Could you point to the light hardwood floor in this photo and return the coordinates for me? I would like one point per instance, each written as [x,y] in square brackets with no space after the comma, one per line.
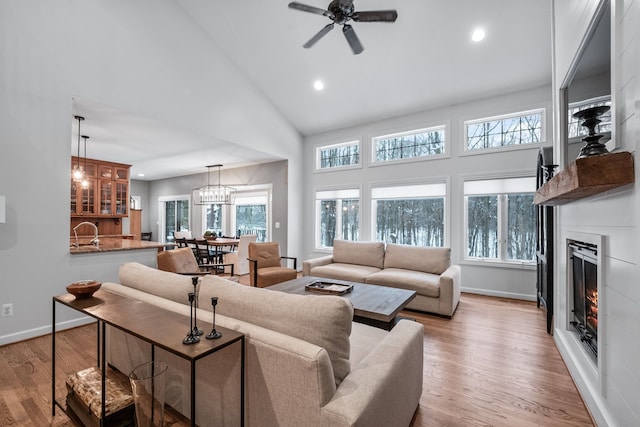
[491,365]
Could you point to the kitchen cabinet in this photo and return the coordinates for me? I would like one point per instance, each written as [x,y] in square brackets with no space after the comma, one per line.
[107,192]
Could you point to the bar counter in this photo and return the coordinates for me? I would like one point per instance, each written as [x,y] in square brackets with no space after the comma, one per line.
[112,244]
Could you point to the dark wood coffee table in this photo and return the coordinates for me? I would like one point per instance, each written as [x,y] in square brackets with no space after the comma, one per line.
[372,304]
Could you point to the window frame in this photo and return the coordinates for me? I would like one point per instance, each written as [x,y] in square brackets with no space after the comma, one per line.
[318,158]
[162,200]
[224,215]
[533,145]
[316,206]
[431,128]
[503,221]
[252,194]
[432,184]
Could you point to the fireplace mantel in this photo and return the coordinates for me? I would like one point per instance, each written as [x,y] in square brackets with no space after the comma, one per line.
[587,176]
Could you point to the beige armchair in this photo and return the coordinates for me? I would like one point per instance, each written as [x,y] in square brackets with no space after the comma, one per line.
[265,265]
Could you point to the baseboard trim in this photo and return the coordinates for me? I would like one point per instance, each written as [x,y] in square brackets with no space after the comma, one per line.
[499,294]
[43,330]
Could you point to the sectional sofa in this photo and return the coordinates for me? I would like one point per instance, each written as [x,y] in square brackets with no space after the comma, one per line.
[426,270]
[306,362]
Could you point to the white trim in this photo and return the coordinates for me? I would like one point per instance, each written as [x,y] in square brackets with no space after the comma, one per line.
[317,149]
[44,330]
[445,145]
[543,127]
[499,294]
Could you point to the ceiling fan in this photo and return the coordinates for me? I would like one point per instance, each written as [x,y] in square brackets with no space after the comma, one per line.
[341,12]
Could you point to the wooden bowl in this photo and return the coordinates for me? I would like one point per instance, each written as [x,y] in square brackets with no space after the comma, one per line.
[83,288]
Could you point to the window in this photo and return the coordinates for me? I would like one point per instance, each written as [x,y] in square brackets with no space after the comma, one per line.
[174,216]
[407,145]
[409,215]
[337,216]
[504,131]
[338,155]
[213,218]
[576,131]
[251,214]
[500,219]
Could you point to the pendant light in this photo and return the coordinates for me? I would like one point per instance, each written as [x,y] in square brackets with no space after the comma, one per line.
[85,181]
[213,194]
[77,174]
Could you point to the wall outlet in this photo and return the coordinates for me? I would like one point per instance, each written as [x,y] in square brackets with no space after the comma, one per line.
[7,310]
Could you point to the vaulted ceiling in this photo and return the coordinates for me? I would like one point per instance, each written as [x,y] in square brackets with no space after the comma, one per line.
[425,60]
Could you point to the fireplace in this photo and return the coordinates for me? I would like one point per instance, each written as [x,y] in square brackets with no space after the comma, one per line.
[584,282]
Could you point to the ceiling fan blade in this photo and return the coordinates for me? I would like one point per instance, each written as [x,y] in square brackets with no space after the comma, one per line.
[352,38]
[320,34]
[375,16]
[310,9]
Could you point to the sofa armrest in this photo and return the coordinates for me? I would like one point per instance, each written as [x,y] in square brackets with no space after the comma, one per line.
[307,265]
[449,290]
[384,389]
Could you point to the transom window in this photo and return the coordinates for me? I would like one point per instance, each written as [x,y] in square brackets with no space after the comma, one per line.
[409,214]
[337,216]
[500,219]
[504,131]
[411,144]
[338,155]
[577,131]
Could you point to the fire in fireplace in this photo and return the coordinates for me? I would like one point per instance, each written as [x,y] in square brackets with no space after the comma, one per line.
[584,261]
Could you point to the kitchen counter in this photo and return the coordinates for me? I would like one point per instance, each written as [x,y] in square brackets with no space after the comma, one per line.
[111,244]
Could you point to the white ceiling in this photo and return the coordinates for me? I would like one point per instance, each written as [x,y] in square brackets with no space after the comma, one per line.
[424,60]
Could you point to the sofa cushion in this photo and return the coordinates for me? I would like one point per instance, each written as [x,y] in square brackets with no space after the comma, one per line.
[418,258]
[426,284]
[352,272]
[321,320]
[172,286]
[359,253]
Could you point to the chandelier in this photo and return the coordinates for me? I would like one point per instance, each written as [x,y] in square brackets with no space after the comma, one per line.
[213,194]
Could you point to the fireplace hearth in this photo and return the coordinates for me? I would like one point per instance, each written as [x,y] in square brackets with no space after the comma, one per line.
[584,281]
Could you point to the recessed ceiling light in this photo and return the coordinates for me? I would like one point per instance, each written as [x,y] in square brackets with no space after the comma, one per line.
[140,174]
[318,85]
[478,35]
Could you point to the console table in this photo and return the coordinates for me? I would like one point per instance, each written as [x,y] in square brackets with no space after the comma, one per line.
[141,320]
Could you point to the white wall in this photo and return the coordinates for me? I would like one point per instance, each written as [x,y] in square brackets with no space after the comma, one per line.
[145,57]
[516,282]
[612,393]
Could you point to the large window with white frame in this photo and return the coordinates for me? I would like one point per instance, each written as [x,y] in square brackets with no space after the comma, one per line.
[174,216]
[418,143]
[251,214]
[213,218]
[505,131]
[409,214]
[342,155]
[337,216]
[500,220]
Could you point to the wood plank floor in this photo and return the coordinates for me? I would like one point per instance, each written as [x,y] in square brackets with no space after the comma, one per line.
[491,365]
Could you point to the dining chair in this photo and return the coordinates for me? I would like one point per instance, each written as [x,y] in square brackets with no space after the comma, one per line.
[182,261]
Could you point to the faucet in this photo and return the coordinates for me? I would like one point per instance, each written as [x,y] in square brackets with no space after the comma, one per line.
[95,239]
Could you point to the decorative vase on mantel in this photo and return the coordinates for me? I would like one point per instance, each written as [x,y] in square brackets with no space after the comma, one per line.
[591,119]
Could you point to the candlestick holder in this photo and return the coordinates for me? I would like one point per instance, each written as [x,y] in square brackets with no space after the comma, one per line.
[591,119]
[214,334]
[196,331]
[191,337]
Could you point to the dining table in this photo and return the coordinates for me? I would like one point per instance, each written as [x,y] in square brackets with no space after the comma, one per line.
[217,246]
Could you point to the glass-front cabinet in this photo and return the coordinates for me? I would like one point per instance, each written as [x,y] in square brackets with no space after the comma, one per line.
[103,190]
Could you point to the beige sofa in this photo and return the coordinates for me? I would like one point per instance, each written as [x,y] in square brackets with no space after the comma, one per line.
[426,270]
[307,363]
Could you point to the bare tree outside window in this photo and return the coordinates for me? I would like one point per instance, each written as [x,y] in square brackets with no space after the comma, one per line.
[409,145]
[338,155]
[417,222]
[338,218]
[521,229]
[214,218]
[505,131]
[252,219]
[482,226]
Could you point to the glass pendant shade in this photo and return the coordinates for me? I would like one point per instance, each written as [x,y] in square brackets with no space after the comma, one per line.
[213,194]
[77,173]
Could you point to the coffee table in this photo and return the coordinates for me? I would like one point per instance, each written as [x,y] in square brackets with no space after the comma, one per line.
[372,304]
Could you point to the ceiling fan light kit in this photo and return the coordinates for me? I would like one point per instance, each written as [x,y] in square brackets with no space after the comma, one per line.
[341,12]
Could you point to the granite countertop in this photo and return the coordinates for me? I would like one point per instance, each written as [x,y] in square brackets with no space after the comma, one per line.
[110,244]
